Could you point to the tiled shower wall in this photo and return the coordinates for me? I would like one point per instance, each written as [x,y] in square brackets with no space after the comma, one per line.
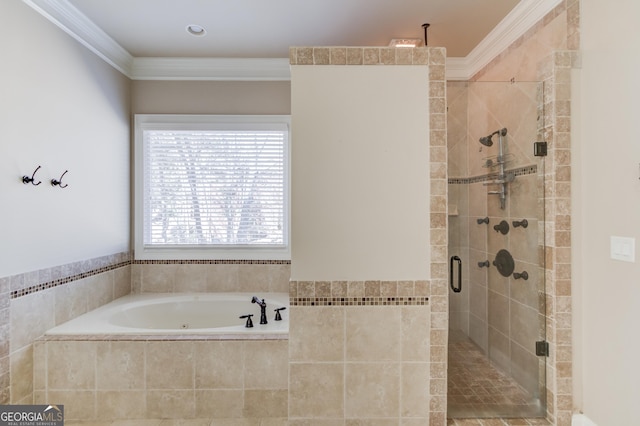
[547,53]
[500,314]
[377,353]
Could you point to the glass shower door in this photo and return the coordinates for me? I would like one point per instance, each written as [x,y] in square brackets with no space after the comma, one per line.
[496,229]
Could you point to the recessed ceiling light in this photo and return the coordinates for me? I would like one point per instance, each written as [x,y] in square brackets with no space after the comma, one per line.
[406,42]
[196,30]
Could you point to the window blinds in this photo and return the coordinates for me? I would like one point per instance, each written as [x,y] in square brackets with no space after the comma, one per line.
[214,188]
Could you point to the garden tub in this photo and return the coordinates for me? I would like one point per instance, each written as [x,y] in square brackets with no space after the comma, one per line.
[182,314]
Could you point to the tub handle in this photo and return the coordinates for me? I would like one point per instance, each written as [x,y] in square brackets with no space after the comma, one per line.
[249,323]
[278,316]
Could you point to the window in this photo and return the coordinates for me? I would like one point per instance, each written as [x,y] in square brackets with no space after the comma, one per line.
[211,187]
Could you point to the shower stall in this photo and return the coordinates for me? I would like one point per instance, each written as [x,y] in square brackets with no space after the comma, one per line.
[497,345]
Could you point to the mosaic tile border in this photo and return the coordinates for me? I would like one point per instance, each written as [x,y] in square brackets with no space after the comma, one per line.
[211,262]
[33,282]
[55,283]
[359,293]
[520,171]
[358,301]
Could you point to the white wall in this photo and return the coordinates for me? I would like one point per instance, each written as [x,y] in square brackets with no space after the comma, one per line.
[360,173]
[62,108]
[608,203]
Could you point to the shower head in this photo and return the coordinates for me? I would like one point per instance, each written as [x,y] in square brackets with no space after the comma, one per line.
[486,140]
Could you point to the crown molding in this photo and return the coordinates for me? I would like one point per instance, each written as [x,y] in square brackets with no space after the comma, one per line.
[456,69]
[523,17]
[77,25]
[221,69]
[63,14]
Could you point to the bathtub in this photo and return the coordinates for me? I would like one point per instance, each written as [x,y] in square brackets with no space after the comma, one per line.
[181,314]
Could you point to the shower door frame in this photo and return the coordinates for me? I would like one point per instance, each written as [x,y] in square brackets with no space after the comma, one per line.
[530,169]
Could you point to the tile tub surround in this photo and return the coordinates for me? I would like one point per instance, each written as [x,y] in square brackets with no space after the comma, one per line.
[109,380]
[169,276]
[33,302]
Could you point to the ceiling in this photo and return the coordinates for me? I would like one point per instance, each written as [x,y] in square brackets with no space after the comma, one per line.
[267,28]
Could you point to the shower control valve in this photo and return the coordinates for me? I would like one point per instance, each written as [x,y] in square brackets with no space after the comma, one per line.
[503,227]
[524,223]
[524,275]
[483,220]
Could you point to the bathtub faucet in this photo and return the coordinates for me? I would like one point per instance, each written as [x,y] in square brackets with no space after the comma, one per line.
[263,309]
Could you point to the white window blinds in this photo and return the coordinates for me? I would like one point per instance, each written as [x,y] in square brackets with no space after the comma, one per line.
[209,187]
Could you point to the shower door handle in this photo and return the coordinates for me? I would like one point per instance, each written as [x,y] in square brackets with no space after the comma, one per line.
[457,289]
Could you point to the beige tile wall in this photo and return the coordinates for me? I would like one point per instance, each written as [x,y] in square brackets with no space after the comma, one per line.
[498,313]
[551,51]
[137,379]
[546,53]
[34,302]
[210,276]
[374,353]
[343,369]
[557,77]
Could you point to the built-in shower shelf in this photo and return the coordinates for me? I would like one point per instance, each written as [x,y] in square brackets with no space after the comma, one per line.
[496,160]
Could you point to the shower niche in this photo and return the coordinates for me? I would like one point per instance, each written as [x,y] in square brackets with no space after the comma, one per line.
[498,318]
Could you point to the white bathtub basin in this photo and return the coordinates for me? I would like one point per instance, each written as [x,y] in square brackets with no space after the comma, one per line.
[180,314]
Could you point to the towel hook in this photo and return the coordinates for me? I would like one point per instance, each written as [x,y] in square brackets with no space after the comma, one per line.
[32,179]
[58,182]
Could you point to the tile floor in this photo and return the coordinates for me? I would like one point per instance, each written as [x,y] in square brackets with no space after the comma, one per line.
[496,422]
[208,422]
[476,389]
